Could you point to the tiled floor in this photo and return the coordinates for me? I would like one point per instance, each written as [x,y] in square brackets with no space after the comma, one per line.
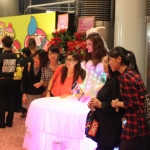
[11,138]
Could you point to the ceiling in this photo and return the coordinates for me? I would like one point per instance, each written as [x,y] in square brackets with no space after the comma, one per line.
[36,6]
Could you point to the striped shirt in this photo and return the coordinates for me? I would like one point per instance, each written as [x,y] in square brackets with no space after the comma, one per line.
[132,91]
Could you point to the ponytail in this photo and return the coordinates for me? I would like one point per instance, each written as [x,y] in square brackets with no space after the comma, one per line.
[128,57]
[133,65]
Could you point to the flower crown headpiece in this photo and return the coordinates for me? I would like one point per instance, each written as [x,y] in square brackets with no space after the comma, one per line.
[94,31]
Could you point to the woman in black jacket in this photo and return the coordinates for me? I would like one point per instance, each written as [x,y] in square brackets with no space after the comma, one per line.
[31,75]
[109,119]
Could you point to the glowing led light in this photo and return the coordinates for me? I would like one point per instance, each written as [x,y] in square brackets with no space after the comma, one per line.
[92,72]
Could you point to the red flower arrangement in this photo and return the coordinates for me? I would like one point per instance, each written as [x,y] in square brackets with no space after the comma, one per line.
[67,42]
[78,44]
[60,38]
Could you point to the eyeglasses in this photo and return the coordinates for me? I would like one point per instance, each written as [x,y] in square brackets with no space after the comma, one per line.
[52,54]
[67,59]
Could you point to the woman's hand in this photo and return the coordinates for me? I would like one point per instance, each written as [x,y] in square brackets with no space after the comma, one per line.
[37,85]
[47,94]
[114,102]
[95,102]
[24,98]
[91,107]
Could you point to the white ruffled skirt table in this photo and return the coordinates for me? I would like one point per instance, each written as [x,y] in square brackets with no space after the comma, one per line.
[53,123]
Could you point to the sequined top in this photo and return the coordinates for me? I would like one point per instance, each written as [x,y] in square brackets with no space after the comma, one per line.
[95,77]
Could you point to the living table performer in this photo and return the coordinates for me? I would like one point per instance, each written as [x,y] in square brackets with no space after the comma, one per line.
[96,50]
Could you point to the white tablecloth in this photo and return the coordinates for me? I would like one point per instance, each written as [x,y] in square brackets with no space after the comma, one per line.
[56,124]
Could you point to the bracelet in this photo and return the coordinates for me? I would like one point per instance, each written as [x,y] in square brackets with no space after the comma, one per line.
[48,90]
[116,103]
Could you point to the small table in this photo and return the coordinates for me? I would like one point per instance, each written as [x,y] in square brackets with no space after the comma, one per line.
[57,124]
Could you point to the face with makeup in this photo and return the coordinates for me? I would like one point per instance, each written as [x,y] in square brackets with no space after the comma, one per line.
[89,45]
[53,56]
[70,62]
[115,63]
[105,64]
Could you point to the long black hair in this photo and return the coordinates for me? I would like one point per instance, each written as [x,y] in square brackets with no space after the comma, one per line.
[78,71]
[54,49]
[127,57]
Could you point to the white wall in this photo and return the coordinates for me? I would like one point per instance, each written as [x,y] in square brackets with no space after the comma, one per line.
[130,29]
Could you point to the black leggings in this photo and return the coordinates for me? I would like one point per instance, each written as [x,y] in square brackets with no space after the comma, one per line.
[139,143]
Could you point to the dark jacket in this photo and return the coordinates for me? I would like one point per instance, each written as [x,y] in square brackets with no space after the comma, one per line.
[110,125]
[29,79]
[8,63]
[26,60]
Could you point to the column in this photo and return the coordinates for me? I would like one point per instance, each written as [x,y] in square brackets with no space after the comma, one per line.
[130,30]
[9,8]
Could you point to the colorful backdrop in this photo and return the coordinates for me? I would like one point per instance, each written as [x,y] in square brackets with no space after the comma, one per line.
[21,28]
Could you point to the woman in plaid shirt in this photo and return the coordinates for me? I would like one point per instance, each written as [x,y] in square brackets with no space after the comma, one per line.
[47,71]
[132,89]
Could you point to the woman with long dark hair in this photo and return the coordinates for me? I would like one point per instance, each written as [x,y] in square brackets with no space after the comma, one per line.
[109,131]
[48,70]
[65,75]
[132,90]
[31,75]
